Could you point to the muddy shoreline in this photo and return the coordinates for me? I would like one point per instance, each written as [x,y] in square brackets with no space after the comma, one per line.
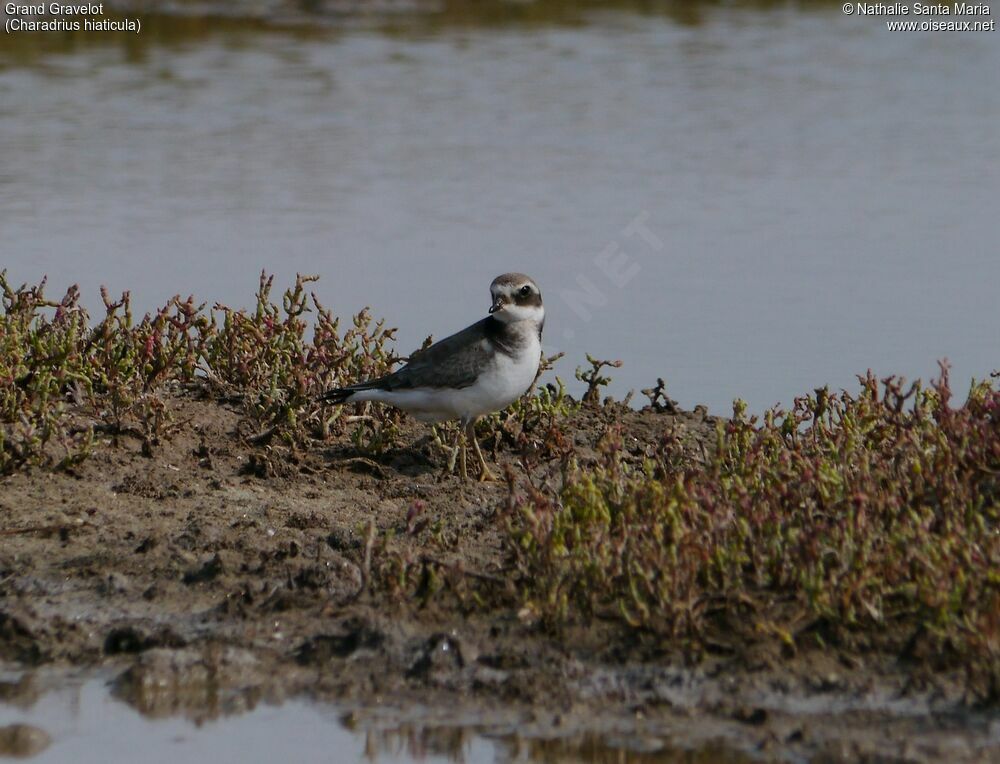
[206,581]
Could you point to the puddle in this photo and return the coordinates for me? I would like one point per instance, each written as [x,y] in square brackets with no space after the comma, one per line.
[79,719]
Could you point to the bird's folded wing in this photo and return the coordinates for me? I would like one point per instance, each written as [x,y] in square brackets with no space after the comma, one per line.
[455,362]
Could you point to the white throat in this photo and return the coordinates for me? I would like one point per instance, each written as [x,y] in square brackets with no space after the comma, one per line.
[511,313]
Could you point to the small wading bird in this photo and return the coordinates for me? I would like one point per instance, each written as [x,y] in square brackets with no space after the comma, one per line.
[477,371]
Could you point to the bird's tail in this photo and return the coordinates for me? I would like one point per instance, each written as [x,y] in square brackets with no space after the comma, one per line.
[337,395]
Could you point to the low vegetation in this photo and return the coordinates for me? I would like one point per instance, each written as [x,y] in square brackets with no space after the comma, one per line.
[62,379]
[872,521]
[867,520]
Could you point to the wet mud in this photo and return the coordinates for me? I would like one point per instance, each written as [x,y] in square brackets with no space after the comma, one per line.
[209,574]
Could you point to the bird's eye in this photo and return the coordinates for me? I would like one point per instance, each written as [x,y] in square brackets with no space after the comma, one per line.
[525,290]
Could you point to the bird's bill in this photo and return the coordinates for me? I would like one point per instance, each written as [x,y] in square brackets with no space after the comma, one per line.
[498,304]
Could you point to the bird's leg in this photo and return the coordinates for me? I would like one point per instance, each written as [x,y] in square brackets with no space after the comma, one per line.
[460,444]
[461,455]
[453,452]
[484,471]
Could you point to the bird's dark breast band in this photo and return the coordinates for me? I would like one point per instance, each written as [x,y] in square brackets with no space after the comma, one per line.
[502,338]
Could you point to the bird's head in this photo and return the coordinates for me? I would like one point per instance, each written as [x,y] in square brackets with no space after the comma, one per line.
[516,298]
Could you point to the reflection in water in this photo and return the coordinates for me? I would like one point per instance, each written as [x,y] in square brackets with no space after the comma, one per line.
[79,720]
[23,740]
[458,744]
[419,743]
[21,692]
[188,19]
[592,748]
[821,190]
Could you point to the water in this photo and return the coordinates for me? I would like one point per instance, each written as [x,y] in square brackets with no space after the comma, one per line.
[809,195]
[85,724]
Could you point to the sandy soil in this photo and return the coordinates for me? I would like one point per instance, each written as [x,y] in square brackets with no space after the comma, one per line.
[211,573]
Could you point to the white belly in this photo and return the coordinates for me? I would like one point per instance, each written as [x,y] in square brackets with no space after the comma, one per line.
[499,385]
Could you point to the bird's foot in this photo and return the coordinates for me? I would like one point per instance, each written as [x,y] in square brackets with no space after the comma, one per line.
[484,471]
[451,463]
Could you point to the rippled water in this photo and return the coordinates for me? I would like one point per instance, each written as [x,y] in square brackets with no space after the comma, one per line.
[783,197]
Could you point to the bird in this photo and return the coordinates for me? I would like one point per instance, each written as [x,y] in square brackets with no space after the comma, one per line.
[474,372]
